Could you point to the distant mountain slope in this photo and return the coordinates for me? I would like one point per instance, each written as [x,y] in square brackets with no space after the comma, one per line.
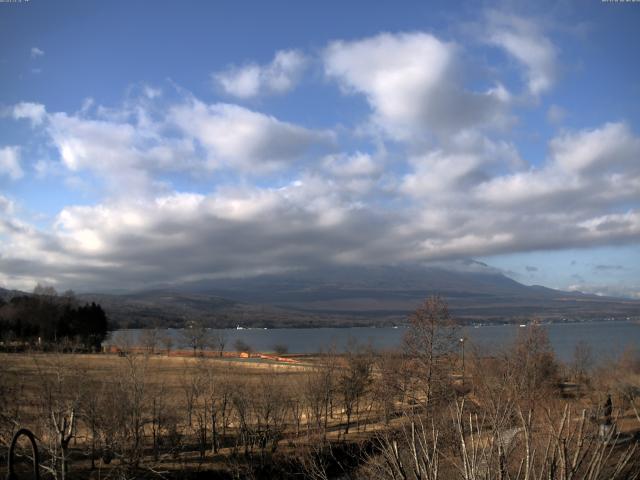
[356,296]
[8,294]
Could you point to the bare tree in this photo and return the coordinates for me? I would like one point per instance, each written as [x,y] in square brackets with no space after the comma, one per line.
[296,402]
[561,447]
[314,389]
[199,386]
[12,388]
[195,336]
[149,339]
[533,359]
[391,383]
[219,392]
[45,291]
[429,341]
[623,377]
[60,401]
[354,380]
[126,412]
[159,416]
[494,380]
[123,341]
[167,341]
[65,427]
[582,361]
[218,341]
[91,404]
[318,391]
[241,398]
[412,454]
[270,409]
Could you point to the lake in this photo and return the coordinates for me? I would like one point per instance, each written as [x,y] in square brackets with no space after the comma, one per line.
[606,338]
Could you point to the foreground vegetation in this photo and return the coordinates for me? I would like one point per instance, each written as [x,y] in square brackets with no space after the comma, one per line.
[419,413]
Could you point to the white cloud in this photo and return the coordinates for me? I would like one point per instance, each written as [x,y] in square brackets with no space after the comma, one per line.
[243,139]
[315,219]
[36,52]
[524,41]
[34,112]
[600,150]
[128,146]
[151,92]
[588,168]
[358,164]
[466,161]
[467,205]
[279,200]
[621,225]
[242,82]
[411,82]
[124,152]
[181,235]
[95,144]
[354,176]
[614,290]
[6,205]
[10,162]
[252,80]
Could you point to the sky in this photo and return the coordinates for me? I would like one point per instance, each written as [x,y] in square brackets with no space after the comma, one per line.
[150,142]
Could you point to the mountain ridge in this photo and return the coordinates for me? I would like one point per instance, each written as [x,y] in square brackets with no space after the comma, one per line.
[350,296]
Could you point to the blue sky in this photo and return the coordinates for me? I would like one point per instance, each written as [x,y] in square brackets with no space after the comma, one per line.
[145,142]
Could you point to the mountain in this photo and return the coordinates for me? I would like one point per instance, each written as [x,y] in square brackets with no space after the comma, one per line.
[356,296]
[6,295]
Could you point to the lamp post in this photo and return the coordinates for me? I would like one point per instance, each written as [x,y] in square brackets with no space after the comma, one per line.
[462,347]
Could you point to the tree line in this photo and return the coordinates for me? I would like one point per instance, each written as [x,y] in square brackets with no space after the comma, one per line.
[46,318]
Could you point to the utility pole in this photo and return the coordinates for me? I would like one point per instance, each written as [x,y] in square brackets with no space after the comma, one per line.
[462,347]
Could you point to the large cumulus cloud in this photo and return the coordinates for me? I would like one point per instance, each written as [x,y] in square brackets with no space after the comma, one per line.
[440,177]
[412,83]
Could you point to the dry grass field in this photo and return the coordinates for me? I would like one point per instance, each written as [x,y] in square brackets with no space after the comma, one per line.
[171,396]
[360,415]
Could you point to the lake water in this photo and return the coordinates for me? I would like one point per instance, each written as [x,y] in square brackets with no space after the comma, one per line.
[606,339]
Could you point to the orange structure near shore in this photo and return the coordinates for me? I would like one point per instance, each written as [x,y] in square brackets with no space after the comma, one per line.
[113,349]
